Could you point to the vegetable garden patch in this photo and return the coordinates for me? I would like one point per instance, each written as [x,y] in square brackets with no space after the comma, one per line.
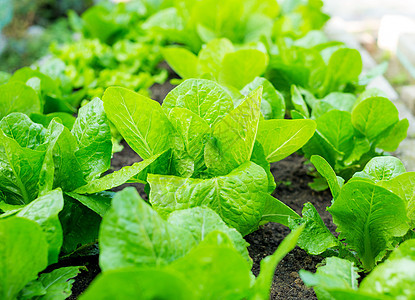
[261,169]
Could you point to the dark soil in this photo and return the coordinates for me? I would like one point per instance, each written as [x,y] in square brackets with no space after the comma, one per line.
[292,180]
[293,190]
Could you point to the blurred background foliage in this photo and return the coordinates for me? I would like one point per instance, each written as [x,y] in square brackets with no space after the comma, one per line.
[28,27]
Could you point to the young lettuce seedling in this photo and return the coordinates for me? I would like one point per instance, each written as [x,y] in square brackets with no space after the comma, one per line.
[373,212]
[199,150]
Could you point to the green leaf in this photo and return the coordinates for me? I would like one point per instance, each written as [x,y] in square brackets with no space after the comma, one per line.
[336,100]
[315,238]
[381,168]
[80,225]
[241,67]
[140,120]
[67,119]
[205,98]
[202,221]
[258,157]
[18,97]
[336,126]
[44,211]
[393,278]
[236,197]
[57,285]
[272,104]
[276,211]
[281,138]
[298,101]
[345,66]
[212,55]
[19,172]
[403,185]
[192,132]
[119,177]
[204,267]
[336,274]
[261,288]
[149,284]
[373,116]
[24,253]
[398,133]
[133,234]
[99,202]
[92,131]
[325,170]
[182,61]
[68,170]
[234,136]
[368,217]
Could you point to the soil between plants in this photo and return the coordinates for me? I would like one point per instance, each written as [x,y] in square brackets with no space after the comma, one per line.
[292,188]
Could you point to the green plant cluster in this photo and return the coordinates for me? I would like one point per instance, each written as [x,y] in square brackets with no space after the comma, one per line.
[205,156]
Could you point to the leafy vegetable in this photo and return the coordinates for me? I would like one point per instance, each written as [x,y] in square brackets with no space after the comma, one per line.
[368,216]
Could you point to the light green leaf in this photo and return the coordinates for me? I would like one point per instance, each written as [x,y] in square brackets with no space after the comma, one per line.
[261,288]
[204,267]
[211,56]
[281,138]
[202,221]
[133,234]
[68,172]
[44,211]
[92,131]
[235,197]
[398,133]
[394,278]
[24,253]
[149,284]
[325,170]
[57,284]
[368,217]
[18,97]
[241,67]
[381,168]
[205,98]
[182,61]
[403,185]
[234,136]
[276,211]
[272,104]
[99,202]
[336,274]
[140,120]
[298,101]
[337,128]
[315,238]
[119,177]
[336,100]
[373,116]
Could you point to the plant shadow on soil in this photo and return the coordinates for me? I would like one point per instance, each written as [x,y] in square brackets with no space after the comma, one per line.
[293,190]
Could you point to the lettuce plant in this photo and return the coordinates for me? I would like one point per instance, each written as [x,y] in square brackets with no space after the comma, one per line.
[392,279]
[350,131]
[194,23]
[218,60]
[199,150]
[373,212]
[36,160]
[191,254]
[24,251]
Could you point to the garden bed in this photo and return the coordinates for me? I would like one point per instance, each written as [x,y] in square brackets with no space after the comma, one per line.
[292,188]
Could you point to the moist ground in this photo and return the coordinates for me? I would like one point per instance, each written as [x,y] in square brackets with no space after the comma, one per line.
[292,188]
